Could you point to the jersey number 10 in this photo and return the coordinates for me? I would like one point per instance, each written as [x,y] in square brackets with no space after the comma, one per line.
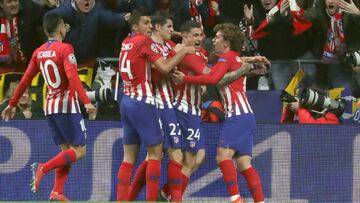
[45,71]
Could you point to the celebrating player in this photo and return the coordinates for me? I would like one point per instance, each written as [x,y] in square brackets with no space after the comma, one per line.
[236,138]
[57,62]
[140,118]
[164,96]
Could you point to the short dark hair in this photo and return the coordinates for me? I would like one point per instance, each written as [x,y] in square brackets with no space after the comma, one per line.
[136,14]
[160,17]
[51,22]
[189,25]
[233,34]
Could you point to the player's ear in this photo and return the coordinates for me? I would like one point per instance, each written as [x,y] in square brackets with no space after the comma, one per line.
[157,27]
[134,28]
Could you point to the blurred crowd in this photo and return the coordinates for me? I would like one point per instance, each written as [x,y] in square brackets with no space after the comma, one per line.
[316,36]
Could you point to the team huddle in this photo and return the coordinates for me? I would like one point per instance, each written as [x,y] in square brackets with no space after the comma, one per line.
[160,109]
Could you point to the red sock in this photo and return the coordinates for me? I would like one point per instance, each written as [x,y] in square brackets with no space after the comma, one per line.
[230,176]
[152,179]
[174,180]
[185,182]
[124,175]
[254,183]
[138,182]
[62,159]
[61,175]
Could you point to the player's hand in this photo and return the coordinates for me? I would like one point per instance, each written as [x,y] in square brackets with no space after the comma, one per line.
[259,70]
[179,47]
[177,77]
[8,113]
[257,60]
[90,109]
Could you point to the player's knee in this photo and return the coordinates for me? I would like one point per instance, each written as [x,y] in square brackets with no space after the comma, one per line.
[176,155]
[200,158]
[186,170]
[155,152]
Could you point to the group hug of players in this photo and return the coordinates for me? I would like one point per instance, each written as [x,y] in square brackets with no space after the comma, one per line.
[160,108]
[162,102]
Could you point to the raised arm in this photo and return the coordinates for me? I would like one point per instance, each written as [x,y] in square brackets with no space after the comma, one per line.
[216,73]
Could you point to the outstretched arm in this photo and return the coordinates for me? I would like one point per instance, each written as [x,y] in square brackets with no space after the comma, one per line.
[217,72]
[30,73]
[231,76]
[165,66]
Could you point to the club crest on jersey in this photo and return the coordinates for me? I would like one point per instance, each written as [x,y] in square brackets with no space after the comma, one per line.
[154,48]
[192,144]
[176,140]
[72,59]
[238,59]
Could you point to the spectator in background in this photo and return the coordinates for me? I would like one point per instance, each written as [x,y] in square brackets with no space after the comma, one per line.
[280,44]
[185,10]
[19,36]
[86,19]
[336,24]
[23,108]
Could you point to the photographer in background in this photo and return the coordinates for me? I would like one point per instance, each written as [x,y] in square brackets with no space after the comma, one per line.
[311,107]
[101,95]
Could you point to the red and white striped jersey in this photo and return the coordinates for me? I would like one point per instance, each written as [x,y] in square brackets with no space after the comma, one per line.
[57,63]
[138,51]
[188,96]
[163,87]
[234,94]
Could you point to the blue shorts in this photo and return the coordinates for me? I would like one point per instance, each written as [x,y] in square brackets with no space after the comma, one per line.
[192,131]
[141,122]
[237,133]
[67,128]
[171,128]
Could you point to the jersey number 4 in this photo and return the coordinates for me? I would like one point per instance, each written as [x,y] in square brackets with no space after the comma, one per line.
[125,66]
